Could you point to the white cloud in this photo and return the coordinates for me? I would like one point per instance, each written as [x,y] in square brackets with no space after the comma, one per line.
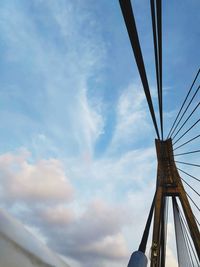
[92,232]
[134,168]
[38,192]
[84,235]
[59,215]
[44,180]
[93,237]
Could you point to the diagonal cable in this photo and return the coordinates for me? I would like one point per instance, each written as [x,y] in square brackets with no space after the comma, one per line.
[183,124]
[159,31]
[133,35]
[188,241]
[188,163]
[193,201]
[197,90]
[182,251]
[186,153]
[187,131]
[190,186]
[187,223]
[155,42]
[192,139]
[188,234]
[142,246]
[183,103]
[195,178]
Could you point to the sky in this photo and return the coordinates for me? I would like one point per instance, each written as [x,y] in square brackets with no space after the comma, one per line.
[77,155]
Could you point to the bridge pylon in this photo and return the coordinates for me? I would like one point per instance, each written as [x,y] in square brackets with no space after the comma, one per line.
[169,184]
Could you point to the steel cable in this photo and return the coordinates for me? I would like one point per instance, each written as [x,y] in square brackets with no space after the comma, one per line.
[142,246]
[182,251]
[189,174]
[153,19]
[192,139]
[192,201]
[187,240]
[187,163]
[183,103]
[159,31]
[186,120]
[186,153]
[185,110]
[187,131]
[133,35]
[190,186]
[188,233]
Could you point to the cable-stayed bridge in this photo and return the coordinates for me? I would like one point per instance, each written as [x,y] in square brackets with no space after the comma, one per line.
[173,182]
[177,154]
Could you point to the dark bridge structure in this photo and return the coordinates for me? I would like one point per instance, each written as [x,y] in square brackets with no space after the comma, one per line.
[170,182]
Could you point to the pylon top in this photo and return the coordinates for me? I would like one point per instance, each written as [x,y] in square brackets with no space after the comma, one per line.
[167,176]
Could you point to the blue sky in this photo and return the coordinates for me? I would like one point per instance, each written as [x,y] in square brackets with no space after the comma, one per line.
[77,142]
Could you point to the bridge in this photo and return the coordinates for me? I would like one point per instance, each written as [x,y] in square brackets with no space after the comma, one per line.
[170,182]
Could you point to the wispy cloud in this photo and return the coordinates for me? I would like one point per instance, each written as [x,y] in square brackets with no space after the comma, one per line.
[54,108]
[132,125]
[60,75]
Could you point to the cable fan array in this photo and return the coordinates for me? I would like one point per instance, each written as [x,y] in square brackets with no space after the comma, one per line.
[187,255]
[183,134]
[185,129]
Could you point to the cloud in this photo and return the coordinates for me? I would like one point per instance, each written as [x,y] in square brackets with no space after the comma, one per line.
[98,221]
[90,234]
[127,170]
[59,215]
[92,210]
[132,123]
[58,68]
[40,194]
[91,237]
[102,230]
[44,180]
[36,189]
